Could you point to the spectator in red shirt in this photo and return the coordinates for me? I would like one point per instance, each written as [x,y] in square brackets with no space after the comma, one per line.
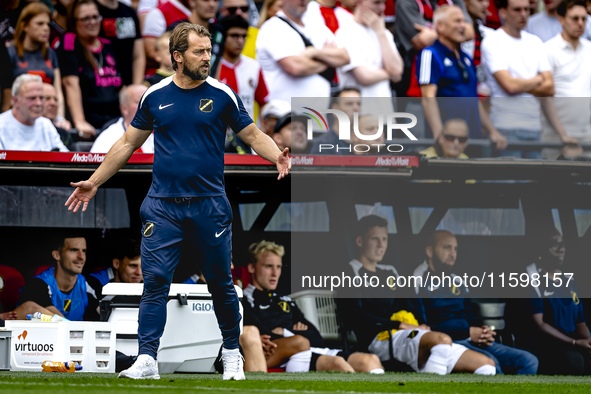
[241,73]
[329,13]
[159,19]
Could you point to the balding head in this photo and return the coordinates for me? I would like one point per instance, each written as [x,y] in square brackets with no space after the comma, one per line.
[27,98]
[450,24]
[441,250]
[129,99]
[51,103]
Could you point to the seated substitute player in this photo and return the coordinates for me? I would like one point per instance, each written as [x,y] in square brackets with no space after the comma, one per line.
[279,317]
[381,320]
[127,267]
[189,113]
[555,315]
[62,290]
[448,310]
[261,353]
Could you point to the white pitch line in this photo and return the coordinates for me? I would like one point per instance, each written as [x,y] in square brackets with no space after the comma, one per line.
[138,386]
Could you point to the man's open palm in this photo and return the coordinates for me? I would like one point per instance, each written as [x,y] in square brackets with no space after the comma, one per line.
[85,191]
[283,164]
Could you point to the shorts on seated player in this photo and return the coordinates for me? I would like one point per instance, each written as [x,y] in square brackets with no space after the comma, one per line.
[393,336]
[278,317]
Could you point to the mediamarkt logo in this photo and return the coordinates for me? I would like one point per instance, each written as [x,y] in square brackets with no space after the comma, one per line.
[302,160]
[88,158]
[396,161]
[345,129]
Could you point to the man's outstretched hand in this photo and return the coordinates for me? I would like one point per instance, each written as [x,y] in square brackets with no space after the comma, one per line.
[85,191]
[283,164]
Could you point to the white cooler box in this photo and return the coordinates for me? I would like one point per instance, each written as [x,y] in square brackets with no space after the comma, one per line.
[90,344]
[191,339]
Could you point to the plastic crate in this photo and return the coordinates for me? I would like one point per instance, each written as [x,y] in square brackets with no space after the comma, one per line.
[191,339]
[90,344]
[5,337]
[319,308]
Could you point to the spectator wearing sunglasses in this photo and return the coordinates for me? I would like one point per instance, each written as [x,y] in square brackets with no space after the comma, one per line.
[242,8]
[452,141]
[445,70]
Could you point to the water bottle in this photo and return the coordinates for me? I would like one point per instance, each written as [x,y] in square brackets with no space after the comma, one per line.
[38,316]
[58,366]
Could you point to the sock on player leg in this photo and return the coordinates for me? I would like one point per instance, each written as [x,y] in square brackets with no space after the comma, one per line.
[437,362]
[486,370]
[299,362]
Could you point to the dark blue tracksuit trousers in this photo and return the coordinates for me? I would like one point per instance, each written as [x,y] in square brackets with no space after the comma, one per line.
[168,224]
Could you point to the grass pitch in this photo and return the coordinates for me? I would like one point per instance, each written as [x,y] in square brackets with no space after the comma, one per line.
[277,383]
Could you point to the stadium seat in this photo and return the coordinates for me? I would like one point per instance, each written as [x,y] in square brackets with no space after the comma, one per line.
[40,269]
[492,314]
[11,282]
[241,274]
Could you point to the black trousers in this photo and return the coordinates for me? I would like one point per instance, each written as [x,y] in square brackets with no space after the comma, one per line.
[561,359]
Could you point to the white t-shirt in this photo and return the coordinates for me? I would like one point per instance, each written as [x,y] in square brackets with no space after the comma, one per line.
[156,22]
[571,69]
[546,27]
[42,136]
[364,49]
[112,134]
[314,15]
[146,6]
[523,57]
[277,40]
[470,47]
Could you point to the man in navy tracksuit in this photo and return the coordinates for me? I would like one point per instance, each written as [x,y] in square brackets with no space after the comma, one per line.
[189,113]
[448,310]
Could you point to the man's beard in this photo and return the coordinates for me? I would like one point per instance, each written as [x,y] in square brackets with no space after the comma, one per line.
[440,266]
[68,271]
[197,75]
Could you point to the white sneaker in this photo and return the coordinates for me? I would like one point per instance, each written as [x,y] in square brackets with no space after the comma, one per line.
[233,364]
[145,367]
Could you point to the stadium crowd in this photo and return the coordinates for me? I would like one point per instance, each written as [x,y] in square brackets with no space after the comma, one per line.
[73,74]
[511,70]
